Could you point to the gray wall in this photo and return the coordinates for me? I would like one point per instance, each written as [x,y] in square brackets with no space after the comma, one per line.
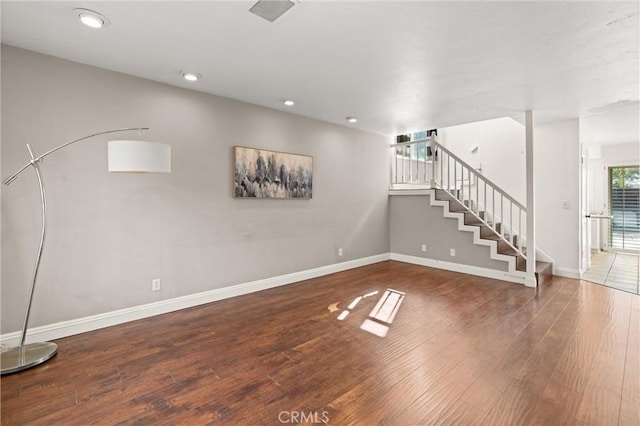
[415,222]
[110,235]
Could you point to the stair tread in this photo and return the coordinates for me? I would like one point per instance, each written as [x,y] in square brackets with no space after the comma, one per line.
[444,195]
[456,207]
[472,219]
[489,226]
[509,252]
[495,237]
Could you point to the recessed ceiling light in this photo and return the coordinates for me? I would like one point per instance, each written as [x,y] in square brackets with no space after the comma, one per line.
[91,18]
[351,119]
[190,75]
[289,102]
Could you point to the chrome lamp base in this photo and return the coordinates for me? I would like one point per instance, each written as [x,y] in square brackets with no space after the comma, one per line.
[27,356]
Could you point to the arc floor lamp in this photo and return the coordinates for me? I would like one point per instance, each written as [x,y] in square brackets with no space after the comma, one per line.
[135,156]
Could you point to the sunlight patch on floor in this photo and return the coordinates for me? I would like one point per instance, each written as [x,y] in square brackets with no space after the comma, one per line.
[382,314]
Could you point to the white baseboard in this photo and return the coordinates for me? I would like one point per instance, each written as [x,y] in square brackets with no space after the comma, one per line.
[458,267]
[108,319]
[566,272]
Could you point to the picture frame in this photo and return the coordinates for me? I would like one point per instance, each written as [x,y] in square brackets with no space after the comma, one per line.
[263,173]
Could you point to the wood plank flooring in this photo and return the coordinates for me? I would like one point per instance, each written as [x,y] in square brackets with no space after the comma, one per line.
[461,350]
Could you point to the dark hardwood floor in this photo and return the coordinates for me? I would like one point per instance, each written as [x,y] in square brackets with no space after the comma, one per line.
[461,350]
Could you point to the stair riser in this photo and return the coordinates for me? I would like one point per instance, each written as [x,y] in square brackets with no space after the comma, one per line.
[503,247]
[470,219]
[486,231]
[488,234]
[455,206]
[444,195]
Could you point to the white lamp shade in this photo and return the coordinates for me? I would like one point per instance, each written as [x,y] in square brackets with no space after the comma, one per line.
[139,157]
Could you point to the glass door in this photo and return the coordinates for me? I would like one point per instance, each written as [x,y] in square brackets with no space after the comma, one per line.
[624,207]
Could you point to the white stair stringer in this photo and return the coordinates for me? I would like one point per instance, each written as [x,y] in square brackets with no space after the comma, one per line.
[513,274]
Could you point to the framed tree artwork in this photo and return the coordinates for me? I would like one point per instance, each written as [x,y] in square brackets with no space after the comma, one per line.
[260,173]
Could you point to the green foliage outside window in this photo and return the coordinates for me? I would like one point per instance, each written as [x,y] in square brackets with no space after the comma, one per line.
[625,177]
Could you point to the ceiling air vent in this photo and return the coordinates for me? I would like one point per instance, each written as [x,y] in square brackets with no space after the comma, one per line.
[271,9]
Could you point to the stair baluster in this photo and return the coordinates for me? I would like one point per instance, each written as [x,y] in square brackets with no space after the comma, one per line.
[486,205]
[491,211]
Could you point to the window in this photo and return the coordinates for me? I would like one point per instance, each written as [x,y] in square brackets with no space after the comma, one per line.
[624,207]
[420,151]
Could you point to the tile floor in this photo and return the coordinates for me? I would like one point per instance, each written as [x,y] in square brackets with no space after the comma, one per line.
[617,270]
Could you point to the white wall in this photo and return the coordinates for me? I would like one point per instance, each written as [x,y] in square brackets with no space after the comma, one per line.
[111,234]
[557,166]
[500,151]
[627,154]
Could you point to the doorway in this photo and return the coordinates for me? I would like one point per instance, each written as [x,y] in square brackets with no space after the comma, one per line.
[618,266]
[624,209]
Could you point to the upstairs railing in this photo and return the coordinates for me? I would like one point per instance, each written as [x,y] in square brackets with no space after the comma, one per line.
[426,162]
[412,163]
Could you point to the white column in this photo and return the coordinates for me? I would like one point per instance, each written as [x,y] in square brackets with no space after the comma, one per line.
[530,280]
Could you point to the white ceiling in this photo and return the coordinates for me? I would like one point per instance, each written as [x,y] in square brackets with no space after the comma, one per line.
[617,125]
[397,66]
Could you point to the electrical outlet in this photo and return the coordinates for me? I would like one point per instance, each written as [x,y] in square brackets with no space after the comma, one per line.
[424,248]
[155,284]
[452,252]
[565,204]
[340,252]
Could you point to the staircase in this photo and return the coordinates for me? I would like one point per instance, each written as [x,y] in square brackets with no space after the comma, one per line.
[489,235]
[496,219]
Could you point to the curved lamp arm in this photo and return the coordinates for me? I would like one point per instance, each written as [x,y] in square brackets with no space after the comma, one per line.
[38,159]
[29,355]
